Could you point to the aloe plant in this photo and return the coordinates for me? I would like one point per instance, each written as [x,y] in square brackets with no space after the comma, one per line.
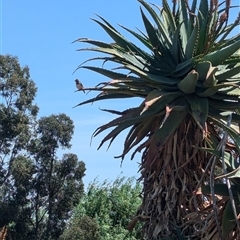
[228,192]
[188,79]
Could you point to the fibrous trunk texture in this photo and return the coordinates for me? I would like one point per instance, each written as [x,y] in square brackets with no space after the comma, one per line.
[169,185]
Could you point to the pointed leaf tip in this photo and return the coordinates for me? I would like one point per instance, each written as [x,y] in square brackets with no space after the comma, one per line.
[188,84]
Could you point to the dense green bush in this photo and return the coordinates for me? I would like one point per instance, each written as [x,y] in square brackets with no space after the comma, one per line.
[111,205]
[82,228]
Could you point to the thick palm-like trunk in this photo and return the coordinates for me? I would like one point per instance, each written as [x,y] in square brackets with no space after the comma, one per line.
[171,173]
[189,81]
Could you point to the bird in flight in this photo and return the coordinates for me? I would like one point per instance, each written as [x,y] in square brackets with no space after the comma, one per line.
[79,85]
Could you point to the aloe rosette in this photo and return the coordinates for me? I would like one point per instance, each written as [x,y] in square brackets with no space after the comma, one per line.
[187,75]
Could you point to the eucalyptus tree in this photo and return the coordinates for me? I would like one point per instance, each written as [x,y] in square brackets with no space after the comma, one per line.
[17,111]
[18,114]
[38,189]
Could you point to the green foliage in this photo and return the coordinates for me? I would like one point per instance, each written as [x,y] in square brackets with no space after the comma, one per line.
[49,187]
[189,56]
[17,115]
[17,111]
[84,228]
[38,189]
[112,206]
[56,130]
[187,78]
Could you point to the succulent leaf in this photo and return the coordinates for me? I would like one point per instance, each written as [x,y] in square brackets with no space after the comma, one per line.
[228,219]
[188,84]
[219,56]
[192,41]
[198,109]
[185,54]
[220,189]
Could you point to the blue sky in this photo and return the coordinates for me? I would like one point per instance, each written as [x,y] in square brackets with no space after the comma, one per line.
[40,33]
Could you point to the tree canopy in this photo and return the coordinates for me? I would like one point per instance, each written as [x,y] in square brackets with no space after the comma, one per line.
[107,209]
[38,189]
